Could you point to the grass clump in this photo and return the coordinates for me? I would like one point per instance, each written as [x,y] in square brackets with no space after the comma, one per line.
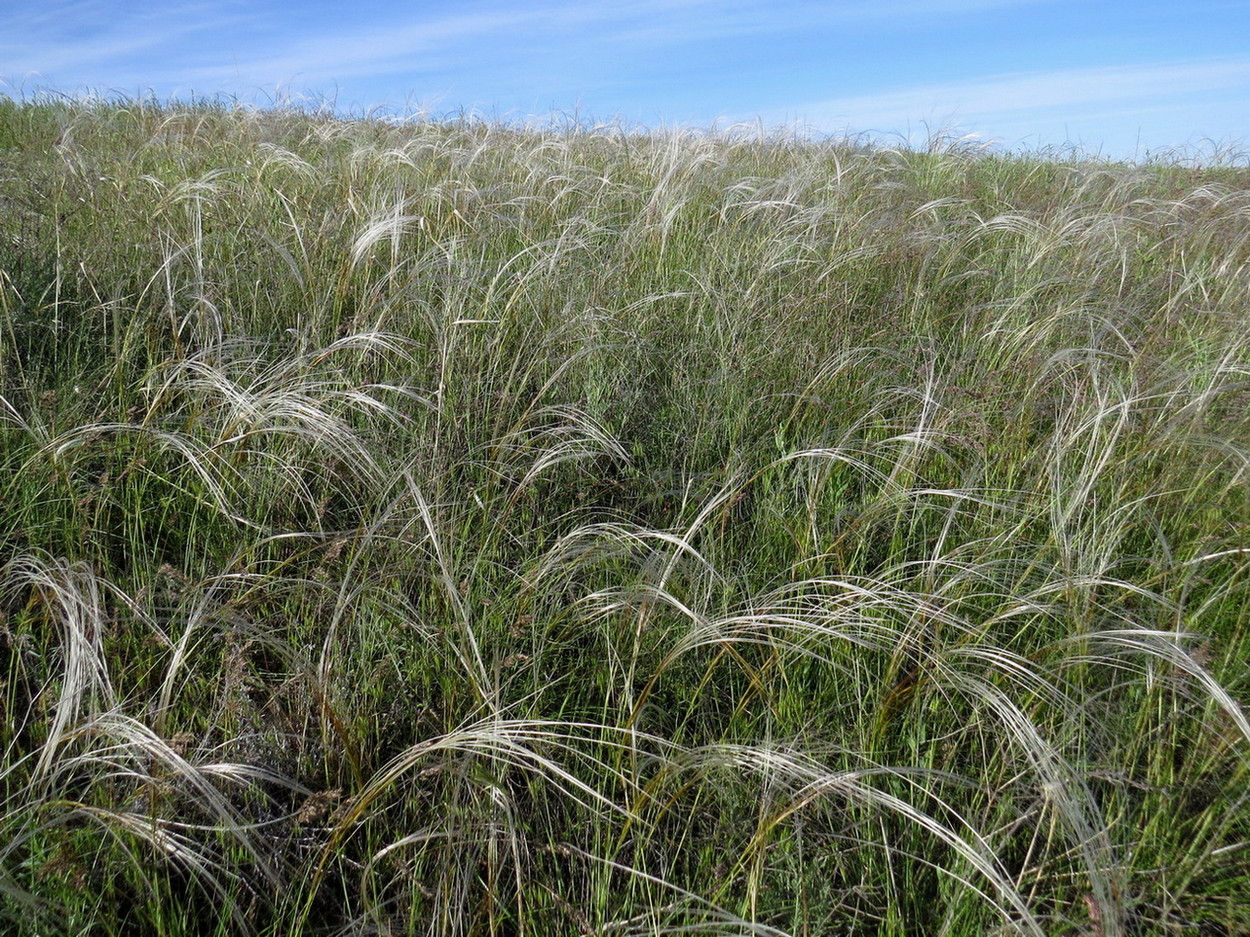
[465,529]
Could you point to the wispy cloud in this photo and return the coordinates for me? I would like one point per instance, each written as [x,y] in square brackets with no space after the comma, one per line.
[1015,100]
[381,50]
[698,21]
[95,43]
[85,38]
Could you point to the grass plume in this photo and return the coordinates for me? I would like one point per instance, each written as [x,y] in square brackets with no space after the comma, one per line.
[457,528]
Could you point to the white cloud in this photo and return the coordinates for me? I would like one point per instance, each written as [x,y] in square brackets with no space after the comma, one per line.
[93,39]
[697,21]
[556,31]
[233,42]
[999,99]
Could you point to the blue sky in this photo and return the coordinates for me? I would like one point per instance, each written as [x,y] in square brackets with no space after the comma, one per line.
[1123,79]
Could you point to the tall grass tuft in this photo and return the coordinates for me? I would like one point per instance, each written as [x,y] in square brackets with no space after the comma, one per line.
[460,528]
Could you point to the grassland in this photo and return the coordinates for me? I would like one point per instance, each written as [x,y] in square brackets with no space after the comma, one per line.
[464,529]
